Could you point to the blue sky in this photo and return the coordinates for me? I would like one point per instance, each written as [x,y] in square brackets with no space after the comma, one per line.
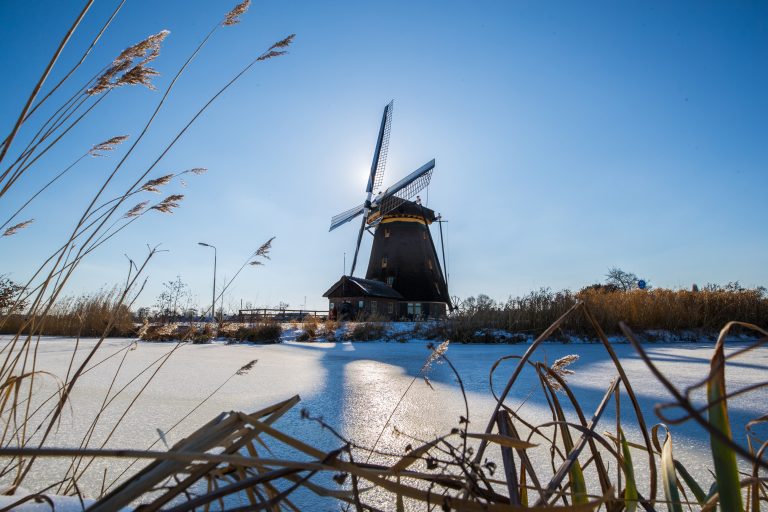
[569,137]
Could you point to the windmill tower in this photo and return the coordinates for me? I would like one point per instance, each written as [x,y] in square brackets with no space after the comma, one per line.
[404,278]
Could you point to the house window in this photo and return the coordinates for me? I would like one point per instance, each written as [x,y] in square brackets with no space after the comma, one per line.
[374,306]
[414,308]
[386,233]
[390,308]
[360,304]
[390,281]
[384,262]
[331,306]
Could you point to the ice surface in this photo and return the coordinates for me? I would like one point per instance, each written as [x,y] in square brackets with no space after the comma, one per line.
[355,387]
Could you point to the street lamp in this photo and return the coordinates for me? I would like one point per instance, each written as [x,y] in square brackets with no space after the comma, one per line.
[213,305]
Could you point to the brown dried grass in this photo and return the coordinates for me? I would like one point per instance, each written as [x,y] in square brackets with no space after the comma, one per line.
[88,315]
[659,309]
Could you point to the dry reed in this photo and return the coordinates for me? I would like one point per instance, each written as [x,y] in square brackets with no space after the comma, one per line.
[42,294]
[86,315]
[645,310]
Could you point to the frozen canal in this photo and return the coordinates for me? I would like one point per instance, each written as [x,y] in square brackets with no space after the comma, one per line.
[355,387]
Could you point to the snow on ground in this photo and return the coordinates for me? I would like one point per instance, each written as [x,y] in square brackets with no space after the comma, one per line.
[355,387]
[57,503]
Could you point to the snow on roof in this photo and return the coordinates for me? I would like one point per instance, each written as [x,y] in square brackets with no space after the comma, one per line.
[371,287]
[368,287]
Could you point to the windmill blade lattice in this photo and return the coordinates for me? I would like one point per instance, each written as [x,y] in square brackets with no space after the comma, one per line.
[344,217]
[407,191]
[383,146]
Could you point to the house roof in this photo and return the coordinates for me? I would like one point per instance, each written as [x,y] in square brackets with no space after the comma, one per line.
[358,287]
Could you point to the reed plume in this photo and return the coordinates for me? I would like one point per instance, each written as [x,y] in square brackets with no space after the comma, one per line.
[148,49]
[123,71]
[233,16]
[18,227]
[434,356]
[136,210]
[138,75]
[246,367]
[560,368]
[270,54]
[107,145]
[263,251]
[152,185]
[283,43]
[273,52]
[168,204]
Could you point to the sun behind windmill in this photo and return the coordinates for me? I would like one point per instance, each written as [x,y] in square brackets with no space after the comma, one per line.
[404,278]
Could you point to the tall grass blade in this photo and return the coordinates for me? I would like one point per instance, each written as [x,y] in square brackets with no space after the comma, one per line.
[523,488]
[669,478]
[726,470]
[503,440]
[631,495]
[693,485]
[510,469]
[578,485]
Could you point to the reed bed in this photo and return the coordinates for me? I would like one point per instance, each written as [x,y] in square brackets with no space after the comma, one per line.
[659,309]
[90,315]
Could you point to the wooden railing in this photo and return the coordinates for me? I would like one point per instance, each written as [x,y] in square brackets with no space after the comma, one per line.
[281,315]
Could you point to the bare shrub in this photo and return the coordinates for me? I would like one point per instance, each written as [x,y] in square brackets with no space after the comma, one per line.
[268,332]
[162,332]
[366,331]
[197,334]
[329,329]
[310,328]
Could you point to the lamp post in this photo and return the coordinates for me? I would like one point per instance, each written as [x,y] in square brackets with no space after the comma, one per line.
[213,302]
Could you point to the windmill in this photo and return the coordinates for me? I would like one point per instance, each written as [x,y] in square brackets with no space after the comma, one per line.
[403,254]
[374,208]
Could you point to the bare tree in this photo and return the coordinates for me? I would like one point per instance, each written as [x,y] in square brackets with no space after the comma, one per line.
[174,295]
[9,293]
[620,279]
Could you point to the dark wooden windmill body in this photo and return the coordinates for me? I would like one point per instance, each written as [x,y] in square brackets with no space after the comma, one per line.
[404,279]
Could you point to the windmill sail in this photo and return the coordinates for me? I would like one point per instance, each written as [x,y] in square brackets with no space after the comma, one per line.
[382,148]
[346,216]
[405,189]
[377,173]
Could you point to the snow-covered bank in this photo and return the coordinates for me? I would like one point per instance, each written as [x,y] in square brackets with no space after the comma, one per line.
[234,332]
[407,331]
[355,387]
